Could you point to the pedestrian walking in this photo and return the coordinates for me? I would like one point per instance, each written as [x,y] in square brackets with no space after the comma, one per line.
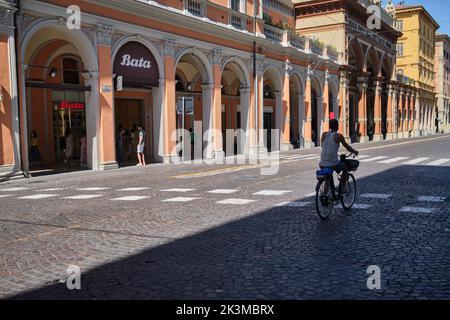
[141,146]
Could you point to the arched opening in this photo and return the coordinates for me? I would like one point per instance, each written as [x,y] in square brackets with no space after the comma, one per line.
[316,111]
[296,112]
[356,65]
[235,100]
[193,106]
[137,83]
[56,105]
[273,110]
[372,69]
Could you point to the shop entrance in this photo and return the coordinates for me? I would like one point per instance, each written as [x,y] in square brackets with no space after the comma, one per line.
[129,114]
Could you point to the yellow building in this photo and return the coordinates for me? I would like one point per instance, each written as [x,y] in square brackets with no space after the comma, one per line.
[415,60]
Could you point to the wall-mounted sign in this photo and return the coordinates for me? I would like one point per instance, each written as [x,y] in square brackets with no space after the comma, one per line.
[71,105]
[136,65]
[119,83]
[106,88]
[186,103]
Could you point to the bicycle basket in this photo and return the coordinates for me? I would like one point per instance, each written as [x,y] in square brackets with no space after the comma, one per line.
[352,165]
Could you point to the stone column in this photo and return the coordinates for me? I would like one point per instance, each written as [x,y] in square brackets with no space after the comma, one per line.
[377,111]
[326,104]
[344,106]
[169,107]
[390,113]
[308,113]
[245,120]
[362,109]
[208,120]
[401,113]
[286,111]
[218,152]
[106,98]
[301,116]
[10,144]
[417,115]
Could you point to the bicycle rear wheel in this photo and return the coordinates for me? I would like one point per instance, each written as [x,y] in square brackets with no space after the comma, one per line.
[324,199]
[348,193]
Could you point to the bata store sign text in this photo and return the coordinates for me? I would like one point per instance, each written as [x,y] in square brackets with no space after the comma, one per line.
[71,105]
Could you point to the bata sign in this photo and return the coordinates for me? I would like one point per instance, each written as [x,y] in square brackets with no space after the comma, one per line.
[71,105]
[137,66]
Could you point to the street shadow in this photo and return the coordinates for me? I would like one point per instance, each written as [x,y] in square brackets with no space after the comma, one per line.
[288,253]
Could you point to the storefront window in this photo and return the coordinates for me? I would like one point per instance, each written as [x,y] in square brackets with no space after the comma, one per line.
[69,112]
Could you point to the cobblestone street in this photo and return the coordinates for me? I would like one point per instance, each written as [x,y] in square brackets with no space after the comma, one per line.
[228,232]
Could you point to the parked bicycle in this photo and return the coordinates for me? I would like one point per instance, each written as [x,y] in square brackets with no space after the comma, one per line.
[326,194]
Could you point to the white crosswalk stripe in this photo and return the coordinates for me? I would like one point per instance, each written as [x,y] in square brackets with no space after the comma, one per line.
[39,196]
[181,190]
[93,189]
[130,198]
[373,159]
[180,199]
[236,201]
[13,189]
[296,157]
[376,195]
[439,162]
[416,210]
[133,189]
[416,161]
[223,191]
[83,197]
[360,157]
[52,189]
[430,199]
[6,195]
[393,160]
[272,192]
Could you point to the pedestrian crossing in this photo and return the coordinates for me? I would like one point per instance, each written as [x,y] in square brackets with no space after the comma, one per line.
[221,197]
[364,158]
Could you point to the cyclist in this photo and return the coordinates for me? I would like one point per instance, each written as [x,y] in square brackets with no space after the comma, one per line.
[331,142]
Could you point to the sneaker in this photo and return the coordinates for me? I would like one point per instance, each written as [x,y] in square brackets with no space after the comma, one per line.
[138,165]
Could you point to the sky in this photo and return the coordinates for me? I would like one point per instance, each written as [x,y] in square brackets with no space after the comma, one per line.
[439,10]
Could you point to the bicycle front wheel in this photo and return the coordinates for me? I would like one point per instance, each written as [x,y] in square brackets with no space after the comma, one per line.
[324,199]
[348,193]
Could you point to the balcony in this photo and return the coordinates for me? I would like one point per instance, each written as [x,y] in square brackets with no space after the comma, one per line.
[316,47]
[238,20]
[332,53]
[385,17]
[195,7]
[296,41]
[274,34]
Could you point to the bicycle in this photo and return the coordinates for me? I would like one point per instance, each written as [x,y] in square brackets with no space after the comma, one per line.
[326,197]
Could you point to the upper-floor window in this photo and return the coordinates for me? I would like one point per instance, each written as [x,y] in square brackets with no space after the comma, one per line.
[236,5]
[400,50]
[71,73]
[400,25]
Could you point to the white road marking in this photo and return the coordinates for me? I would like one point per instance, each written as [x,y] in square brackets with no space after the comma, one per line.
[13,189]
[415,161]
[363,157]
[133,189]
[430,199]
[376,195]
[223,191]
[180,199]
[312,194]
[131,198]
[294,204]
[272,192]
[311,158]
[416,210]
[236,201]
[6,195]
[83,197]
[38,196]
[52,189]
[439,162]
[373,159]
[296,157]
[397,159]
[92,189]
[177,190]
